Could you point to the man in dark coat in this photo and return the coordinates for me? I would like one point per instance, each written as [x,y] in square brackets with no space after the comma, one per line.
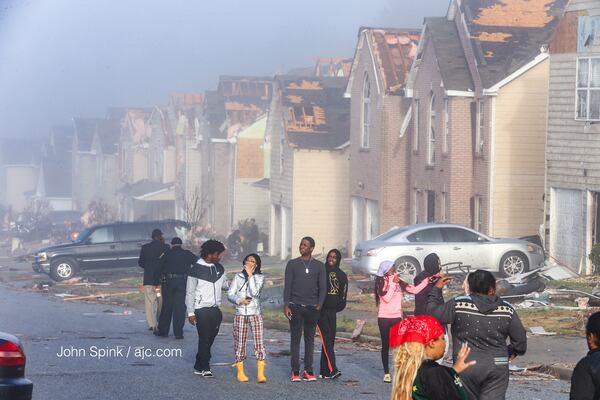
[149,260]
[174,267]
[585,382]
[335,301]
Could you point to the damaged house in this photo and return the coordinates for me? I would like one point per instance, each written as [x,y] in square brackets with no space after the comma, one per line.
[479,86]
[573,144]
[308,127]
[19,169]
[379,146]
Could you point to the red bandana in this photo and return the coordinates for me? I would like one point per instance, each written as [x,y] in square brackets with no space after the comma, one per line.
[422,329]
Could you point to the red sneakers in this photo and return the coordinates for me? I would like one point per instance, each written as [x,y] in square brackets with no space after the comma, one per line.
[308,377]
[296,377]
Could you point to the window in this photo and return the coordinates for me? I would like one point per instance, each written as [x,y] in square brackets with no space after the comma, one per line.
[446,126]
[366,113]
[417,208]
[132,233]
[431,147]
[391,234]
[480,127]
[443,207]
[476,213]
[588,89]
[416,125]
[102,235]
[430,206]
[433,235]
[458,235]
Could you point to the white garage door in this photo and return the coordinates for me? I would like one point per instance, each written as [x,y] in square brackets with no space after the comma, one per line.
[566,226]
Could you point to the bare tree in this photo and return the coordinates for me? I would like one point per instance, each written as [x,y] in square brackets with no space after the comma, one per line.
[98,212]
[196,208]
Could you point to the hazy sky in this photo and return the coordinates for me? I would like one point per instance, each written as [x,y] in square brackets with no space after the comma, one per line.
[65,58]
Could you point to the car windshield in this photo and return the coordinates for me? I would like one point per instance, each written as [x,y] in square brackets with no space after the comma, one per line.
[390,234]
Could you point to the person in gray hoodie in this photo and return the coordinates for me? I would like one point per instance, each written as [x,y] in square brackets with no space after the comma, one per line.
[244,292]
[485,322]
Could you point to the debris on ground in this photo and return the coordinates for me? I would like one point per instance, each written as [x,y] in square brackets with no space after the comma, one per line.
[71,281]
[539,330]
[360,324]
[98,296]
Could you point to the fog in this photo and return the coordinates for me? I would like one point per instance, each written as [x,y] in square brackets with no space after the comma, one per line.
[61,59]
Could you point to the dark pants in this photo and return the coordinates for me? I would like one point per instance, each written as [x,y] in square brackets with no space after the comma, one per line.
[304,319]
[173,293]
[208,321]
[486,381]
[327,328]
[385,324]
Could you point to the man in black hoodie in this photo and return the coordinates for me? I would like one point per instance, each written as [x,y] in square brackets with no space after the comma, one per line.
[432,267]
[585,382]
[484,322]
[335,301]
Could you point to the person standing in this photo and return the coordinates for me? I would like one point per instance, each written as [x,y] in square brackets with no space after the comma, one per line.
[252,237]
[244,292]
[483,321]
[203,299]
[305,288]
[149,260]
[174,266]
[432,266]
[585,382]
[389,292]
[335,301]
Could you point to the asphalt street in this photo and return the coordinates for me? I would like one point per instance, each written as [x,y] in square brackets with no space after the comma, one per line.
[163,369]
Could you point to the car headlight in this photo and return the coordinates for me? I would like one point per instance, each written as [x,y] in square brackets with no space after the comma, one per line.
[375,251]
[42,257]
[532,248]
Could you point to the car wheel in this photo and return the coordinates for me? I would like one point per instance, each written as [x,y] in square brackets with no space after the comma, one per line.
[62,269]
[408,266]
[513,263]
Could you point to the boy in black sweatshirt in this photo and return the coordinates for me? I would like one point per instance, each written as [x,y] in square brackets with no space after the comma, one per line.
[585,382]
[335,301]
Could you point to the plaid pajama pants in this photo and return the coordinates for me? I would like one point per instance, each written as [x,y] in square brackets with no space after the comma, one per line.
[241,325]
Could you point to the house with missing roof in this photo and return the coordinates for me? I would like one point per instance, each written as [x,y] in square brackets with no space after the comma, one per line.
[379,144]
[572,216]
[308,126]
[479,89]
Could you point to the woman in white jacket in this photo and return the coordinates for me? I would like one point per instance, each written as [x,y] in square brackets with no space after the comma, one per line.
[244,292]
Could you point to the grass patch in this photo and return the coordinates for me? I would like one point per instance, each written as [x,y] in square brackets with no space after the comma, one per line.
[563,322]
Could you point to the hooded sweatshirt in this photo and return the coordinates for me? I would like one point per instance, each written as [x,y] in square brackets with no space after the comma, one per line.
[204,285]
[484,322]
[390,304]
[421,297]
[337,286]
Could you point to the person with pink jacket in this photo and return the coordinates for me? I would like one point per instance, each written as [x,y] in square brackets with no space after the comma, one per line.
[389,292]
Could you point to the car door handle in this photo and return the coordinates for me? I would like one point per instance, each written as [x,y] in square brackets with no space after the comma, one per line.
[112,246]
[456,248]
[418,248]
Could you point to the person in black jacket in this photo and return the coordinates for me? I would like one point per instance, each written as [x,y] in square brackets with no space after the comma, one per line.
[432,267]
[483,321]
[585,382]
[149,260]
[335,301]
[174,267]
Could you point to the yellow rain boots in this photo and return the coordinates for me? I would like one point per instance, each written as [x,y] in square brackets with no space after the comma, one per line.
[260,365]
[241,375]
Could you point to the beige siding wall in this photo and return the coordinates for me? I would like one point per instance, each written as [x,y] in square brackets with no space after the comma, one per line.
[518,154]
[169,164]
[251,202]
[140,165]
[321,206]
[19,179]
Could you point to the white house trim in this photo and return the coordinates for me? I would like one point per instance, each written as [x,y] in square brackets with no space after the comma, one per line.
[459,93]
[494,89]
[406,122]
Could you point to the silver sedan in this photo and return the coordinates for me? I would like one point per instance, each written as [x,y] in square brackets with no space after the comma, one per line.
[408,246]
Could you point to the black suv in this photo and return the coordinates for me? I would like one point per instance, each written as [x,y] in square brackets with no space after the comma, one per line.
[103,246]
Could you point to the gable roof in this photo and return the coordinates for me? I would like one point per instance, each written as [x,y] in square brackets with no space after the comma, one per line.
[508,34]
[16,151]
[393,52]
[56,175]
[316,114]
[449,54]
[85,129]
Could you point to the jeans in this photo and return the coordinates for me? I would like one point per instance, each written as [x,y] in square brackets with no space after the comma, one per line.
[304,320]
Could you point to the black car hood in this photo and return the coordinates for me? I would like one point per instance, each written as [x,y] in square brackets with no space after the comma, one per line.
[57,247]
